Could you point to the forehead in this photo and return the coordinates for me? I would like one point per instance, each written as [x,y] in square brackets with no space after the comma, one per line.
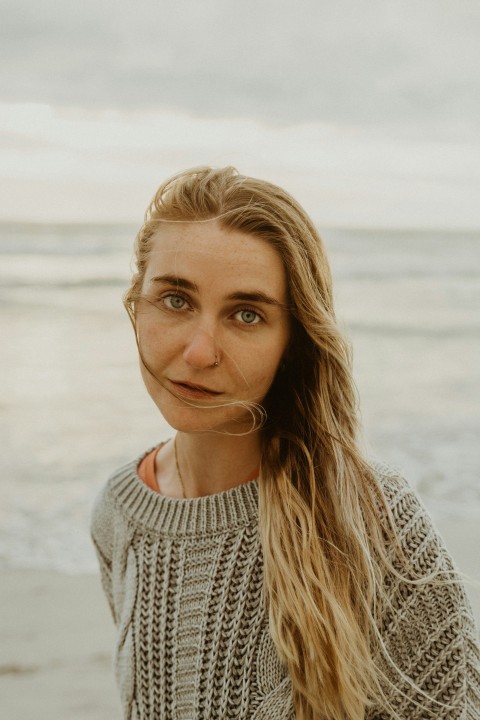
[204,252]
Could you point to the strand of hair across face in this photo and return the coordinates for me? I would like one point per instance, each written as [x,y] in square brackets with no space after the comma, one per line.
[324,523]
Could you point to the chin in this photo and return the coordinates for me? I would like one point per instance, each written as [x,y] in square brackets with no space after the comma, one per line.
[231,419]
[204,420]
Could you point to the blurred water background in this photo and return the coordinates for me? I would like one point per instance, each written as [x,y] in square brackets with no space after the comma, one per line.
[73,406]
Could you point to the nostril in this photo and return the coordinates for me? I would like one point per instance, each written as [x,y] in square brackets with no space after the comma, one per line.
[200,352]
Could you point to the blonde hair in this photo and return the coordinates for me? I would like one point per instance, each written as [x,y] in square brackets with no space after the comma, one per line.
[323,516]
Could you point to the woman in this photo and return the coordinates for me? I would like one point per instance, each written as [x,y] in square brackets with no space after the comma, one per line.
[256,565]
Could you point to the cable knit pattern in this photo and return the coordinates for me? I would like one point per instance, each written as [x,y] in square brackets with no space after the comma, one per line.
[184,582]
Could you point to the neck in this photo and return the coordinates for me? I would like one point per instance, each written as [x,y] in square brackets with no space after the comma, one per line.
[212,463]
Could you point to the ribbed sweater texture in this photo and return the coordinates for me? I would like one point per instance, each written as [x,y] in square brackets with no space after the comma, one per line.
[184,581]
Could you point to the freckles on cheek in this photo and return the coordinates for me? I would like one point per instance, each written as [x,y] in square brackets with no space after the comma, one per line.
[265,379]
[149,339]
[159,344]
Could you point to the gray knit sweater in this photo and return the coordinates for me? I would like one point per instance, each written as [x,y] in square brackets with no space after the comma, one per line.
[184,582]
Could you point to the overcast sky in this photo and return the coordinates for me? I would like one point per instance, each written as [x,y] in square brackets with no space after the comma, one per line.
[368,111]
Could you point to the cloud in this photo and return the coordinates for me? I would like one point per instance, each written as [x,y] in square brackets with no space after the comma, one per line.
[405,64]
[66,165]
[369,112]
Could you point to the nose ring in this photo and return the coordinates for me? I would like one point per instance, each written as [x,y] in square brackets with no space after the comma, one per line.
[216,363]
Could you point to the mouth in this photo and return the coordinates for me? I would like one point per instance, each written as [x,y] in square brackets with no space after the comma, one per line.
[193,390]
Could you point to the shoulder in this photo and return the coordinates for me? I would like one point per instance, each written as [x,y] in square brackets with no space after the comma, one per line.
[414,529]
[394,486]
[426,623]
[107,506]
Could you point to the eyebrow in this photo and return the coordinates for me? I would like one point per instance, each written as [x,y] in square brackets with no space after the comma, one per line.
[258,297]
[184,284]
[175,280]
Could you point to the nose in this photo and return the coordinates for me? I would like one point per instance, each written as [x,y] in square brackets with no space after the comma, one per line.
[200,350]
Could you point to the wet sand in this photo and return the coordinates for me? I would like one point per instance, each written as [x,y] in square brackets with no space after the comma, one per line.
[57,635]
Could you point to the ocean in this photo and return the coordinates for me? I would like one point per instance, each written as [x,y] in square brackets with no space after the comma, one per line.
[73,406]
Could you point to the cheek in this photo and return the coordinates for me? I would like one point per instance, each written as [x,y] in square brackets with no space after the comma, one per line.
[265,374]
[260,365]
[155,344]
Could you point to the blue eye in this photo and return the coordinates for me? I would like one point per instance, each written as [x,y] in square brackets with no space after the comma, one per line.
[249,317]
[174,302]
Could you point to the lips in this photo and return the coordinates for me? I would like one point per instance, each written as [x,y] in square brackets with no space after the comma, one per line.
[193,390]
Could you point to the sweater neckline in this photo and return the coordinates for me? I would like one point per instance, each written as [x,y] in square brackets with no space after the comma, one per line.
[220,512]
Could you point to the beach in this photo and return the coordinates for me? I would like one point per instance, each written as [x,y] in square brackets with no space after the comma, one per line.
[57,635]
[73,408]
[56,640]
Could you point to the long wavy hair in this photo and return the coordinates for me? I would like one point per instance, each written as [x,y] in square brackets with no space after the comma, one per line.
[323,517]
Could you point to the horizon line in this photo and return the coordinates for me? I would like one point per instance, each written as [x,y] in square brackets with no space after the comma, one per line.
[321,227]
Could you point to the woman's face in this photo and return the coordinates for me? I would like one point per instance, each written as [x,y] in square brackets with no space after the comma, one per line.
[211,295]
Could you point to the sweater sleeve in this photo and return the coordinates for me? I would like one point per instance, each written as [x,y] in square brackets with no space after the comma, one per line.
[102,537]
[432,659]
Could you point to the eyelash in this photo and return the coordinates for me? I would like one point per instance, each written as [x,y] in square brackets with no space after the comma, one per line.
[173,295]
[182,297]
